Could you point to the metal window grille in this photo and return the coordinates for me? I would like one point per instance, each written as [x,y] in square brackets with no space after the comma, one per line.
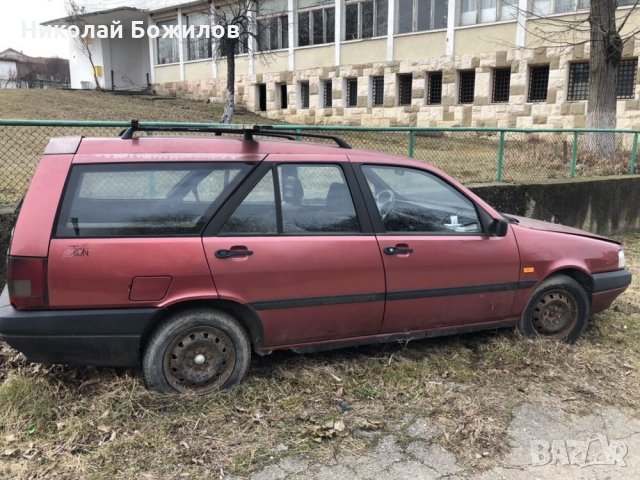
[578,81]
[501,85]
[327,94]
[434,90]
[467,86]
[304,94]
[352,92]
[538,83]
[377,84]
[627,71]
[405,81]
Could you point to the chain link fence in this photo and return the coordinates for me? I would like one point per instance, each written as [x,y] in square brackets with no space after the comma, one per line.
[472,155]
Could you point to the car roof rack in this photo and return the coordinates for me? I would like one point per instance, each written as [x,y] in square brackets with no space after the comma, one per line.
[247,131]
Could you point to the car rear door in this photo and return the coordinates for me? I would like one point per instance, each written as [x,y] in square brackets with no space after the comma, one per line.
[442,269]
[296,245]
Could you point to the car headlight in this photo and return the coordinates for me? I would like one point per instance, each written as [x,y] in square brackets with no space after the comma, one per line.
[621,260]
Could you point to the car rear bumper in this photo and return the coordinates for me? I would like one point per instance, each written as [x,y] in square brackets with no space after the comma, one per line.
[105,337]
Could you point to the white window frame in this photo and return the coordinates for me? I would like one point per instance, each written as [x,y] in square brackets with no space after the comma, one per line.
[502,11]
[310,11]
[414,18]
[553,8]
[281,18]
[376,13]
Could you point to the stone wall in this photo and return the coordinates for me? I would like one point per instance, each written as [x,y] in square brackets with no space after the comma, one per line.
[555,112]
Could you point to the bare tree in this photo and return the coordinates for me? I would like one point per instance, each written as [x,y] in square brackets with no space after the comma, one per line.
[602,29]
[242,14]
[76,14]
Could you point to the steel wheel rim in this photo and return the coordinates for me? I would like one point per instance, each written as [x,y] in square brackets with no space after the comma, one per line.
[555,314]
[199,360]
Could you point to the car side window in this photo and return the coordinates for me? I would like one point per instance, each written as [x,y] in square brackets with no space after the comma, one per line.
[257,212]
[316,199]
[144,199]
[414,201]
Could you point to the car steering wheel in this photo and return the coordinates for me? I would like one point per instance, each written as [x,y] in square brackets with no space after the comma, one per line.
[385,201]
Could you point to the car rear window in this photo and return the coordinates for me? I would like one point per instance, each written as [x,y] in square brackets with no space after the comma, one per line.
[159,199]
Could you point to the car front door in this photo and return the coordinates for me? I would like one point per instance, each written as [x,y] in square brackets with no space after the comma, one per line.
[296,245]
[442,269]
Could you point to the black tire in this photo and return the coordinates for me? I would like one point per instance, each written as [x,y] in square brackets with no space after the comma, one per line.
[196,351]
[559,309]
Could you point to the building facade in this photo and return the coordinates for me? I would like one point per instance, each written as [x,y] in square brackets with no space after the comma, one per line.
[485,63]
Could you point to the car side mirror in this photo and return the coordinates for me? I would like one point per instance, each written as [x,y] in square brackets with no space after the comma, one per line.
[499,227]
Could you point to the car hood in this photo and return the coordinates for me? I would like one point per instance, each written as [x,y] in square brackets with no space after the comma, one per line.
[533,224]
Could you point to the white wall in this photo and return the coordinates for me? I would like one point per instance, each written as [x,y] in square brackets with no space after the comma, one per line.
[129,59]
[7,69]
[79,65]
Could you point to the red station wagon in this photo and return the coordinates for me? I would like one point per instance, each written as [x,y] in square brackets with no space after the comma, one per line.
[182,255]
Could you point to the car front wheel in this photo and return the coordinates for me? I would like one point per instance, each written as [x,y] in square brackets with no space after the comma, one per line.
[196,351]
[559,309]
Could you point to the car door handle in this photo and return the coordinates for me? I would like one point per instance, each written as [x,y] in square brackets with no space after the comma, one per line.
[398,250]
[234,252]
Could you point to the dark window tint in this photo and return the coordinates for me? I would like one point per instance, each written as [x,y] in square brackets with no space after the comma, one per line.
[501,85]
[627,71]
[405,16]
[467,85]
[578,81]
[284,98]
[434,92]
[538,83]
[303,29]
[144,199]
[352,92]
[316,198]
[377,91]
[404,88]
[257,212]
[351,21]
[411,200]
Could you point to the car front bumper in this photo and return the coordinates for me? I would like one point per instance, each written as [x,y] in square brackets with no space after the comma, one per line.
[102,337]
[606,287]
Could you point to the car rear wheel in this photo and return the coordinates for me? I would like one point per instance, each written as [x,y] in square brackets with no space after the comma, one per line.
[559,309]
[196,351]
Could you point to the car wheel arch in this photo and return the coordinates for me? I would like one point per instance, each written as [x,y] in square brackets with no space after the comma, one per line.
[245,316]
[580,275]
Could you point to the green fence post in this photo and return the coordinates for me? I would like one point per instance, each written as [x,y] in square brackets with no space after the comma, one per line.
[500,157]
[412,143]
[574,155]
[634,154]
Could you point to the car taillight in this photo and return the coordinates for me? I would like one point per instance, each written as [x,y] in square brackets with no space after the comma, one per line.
[27,281]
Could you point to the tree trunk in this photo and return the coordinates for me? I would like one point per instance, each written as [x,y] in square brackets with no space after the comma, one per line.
[606,52]
[227,115]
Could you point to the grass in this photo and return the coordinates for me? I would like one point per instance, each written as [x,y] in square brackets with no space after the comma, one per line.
[61,422]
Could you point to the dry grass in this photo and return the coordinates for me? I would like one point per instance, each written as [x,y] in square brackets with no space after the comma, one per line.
[63,422]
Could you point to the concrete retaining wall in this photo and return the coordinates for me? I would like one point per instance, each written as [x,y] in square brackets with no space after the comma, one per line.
[608,205]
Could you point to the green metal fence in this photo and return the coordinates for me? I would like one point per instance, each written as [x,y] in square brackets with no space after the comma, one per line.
[473,155]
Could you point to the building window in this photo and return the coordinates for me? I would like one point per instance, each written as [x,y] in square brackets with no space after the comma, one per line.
[420,15]
[483,11]
[578,81]
[405,81]
[365,19]
[434,88]
[501,84]
[327,94]
[303,89]
[377,91]
[273,32]
[547,7]
[538,83]
[352,92]
[284,98]
[316,24]
[167,48]
[198,48]
[627,71]
[467,84]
